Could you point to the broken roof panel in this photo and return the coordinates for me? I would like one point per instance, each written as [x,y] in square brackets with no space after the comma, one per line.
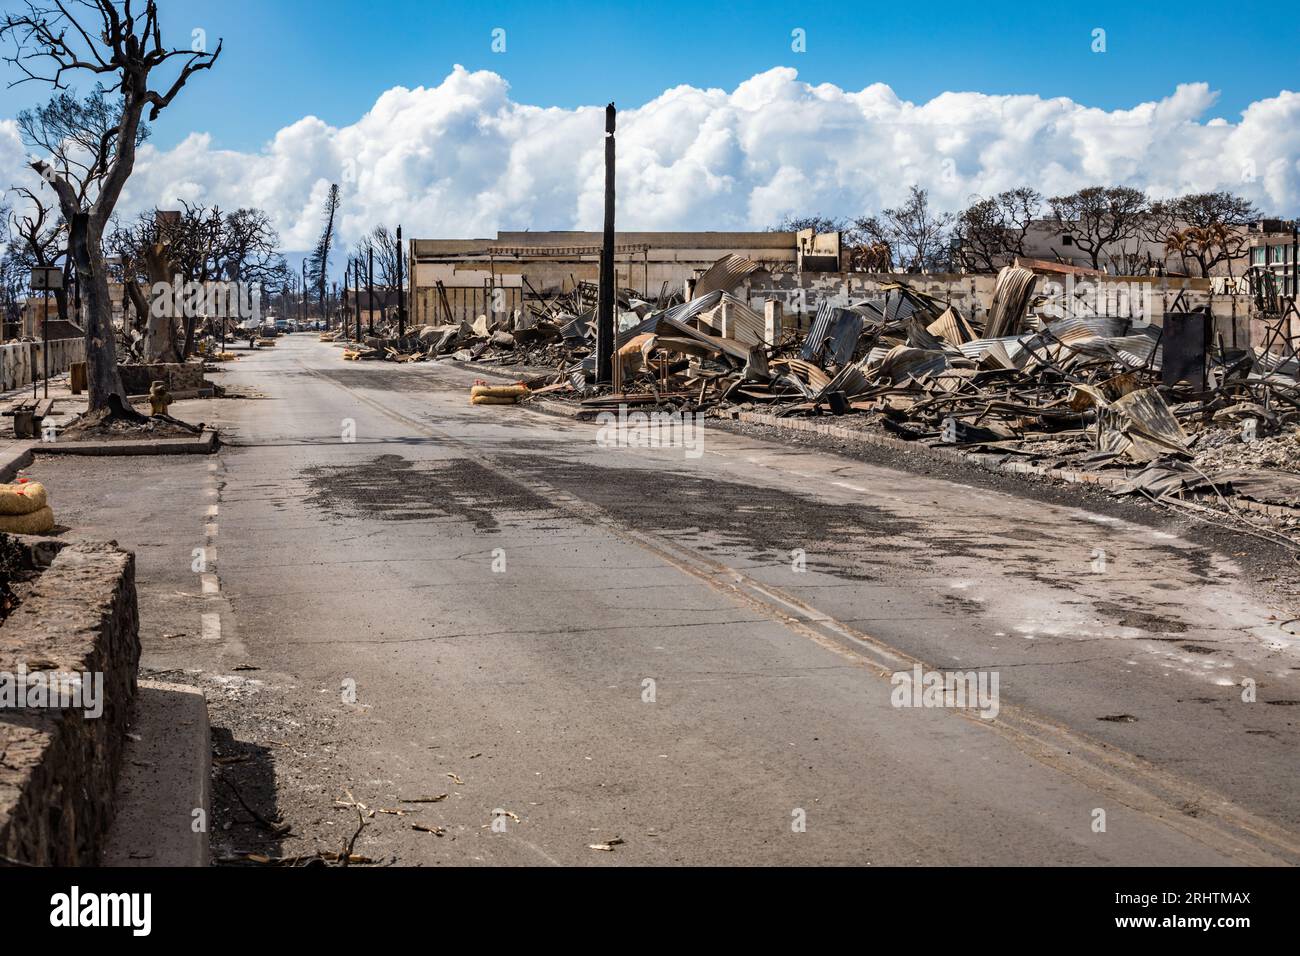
[725,274]
[834,335]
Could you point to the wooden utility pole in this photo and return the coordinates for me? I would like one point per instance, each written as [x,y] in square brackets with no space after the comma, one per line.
[370,291]
[356,281]
[605,307]
[344,307]
[401,292]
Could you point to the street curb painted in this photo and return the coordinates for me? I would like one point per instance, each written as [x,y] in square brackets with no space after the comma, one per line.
[203,445]
[983,460]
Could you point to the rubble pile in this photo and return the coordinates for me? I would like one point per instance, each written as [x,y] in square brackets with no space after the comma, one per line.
[557,333]
[1029,380]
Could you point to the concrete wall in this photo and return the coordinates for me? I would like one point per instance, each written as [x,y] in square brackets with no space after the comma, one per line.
[644,261]
[20,362]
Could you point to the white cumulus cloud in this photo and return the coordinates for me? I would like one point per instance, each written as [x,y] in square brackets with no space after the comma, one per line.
[463,159]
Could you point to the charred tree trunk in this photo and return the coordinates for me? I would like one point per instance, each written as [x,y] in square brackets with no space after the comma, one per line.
[160,328]
[103,381]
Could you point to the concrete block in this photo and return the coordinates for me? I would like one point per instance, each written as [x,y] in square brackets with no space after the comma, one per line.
[164,792]
[773,315]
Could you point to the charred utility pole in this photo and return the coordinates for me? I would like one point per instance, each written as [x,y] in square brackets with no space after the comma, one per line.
[356,281]
[370,291]
[401,292]
[1295,261]
[605,307]
[344,308]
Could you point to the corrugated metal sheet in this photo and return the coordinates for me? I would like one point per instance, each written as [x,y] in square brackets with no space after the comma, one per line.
[1010,345]
[1010,301]
[746,324]
[678,313]
[843,327]
[818,331]
[899,307]
[903,362]
[1141,426]
[725,274]
[1075,328]
[952,327]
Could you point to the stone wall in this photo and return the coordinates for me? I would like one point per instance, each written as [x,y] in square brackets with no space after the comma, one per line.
[21,361]
[180,377]
[58,776]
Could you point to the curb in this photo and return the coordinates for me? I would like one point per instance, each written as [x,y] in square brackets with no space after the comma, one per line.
[166,777]
[203,445]
[13,459]
[984,460]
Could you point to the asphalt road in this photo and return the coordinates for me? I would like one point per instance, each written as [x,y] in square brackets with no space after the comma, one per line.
[407,596]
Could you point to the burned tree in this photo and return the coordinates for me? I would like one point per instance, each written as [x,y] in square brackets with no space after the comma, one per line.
[1207,228]
[120,43]
[197,244]
[318,264]
[989,232]
[1101,217]
[38,238]
[13,276]
[142,261]
[916,233]
[383,244]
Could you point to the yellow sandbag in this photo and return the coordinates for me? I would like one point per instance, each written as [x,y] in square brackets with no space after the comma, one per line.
[22,499]
[512,392]
[492,400]
[38,522]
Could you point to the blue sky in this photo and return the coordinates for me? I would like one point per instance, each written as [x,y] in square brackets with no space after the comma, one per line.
[724,124]
[285,59]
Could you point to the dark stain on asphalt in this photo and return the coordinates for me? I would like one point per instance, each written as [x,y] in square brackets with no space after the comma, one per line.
[713,515]
[393,488]
[1143,620]
[388,379]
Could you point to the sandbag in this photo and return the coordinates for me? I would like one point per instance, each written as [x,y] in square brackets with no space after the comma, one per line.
[492,400]
[512,392]
[38,522]
[22,498]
